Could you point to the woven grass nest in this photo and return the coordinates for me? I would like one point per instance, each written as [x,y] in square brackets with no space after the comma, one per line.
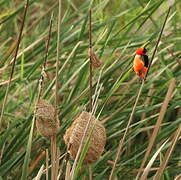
[74,135]
[46,122]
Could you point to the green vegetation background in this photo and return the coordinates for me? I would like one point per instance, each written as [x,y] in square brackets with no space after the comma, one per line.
[119,27]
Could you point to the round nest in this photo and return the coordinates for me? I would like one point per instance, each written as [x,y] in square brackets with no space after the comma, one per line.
[74,135]
[46,121]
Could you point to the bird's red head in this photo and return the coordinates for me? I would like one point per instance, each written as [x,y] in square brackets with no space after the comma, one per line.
[141,51]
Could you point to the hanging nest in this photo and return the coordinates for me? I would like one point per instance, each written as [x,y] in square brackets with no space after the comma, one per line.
[46,121]
[74,135]
[96,62]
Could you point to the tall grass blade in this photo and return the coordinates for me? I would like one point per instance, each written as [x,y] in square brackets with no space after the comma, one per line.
[158,123]
[40,90]
[169,152]
[125,133]
[14,62]
[90,58]
[148,167]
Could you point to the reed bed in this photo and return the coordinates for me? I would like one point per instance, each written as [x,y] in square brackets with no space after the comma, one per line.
[71,106]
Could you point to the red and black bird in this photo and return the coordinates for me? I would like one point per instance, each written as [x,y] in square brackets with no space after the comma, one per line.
[141,63]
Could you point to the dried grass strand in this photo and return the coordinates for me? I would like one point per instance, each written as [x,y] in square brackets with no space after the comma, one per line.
[168,154]
[14,62]
[90,59]
[158,123]
[125,133]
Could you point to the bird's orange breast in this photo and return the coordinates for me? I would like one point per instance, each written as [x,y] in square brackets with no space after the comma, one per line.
[138,64]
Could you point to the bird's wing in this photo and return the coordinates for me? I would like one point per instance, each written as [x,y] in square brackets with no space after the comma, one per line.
[145,59]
